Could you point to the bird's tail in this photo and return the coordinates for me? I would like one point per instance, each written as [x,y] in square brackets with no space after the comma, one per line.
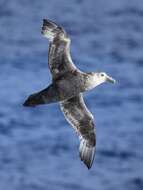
[34,100]
[46,96]
[86,152]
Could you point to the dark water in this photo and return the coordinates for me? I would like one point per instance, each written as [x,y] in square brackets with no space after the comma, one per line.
[38,149]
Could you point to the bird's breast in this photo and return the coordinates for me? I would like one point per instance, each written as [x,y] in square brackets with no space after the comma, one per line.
[90,82]
[69,86]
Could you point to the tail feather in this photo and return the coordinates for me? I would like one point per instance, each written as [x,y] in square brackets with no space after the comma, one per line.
[86,152]
[46,96]
[33,100]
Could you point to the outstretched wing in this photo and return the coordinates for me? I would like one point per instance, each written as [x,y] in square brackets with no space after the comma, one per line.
[59,51]
[81,119]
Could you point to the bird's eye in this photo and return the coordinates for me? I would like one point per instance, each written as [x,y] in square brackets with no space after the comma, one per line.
[102,75]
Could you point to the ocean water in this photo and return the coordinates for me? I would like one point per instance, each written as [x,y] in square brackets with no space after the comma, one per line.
[38,148]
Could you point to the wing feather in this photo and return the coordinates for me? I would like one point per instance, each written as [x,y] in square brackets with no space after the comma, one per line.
[59,59]
[82,121]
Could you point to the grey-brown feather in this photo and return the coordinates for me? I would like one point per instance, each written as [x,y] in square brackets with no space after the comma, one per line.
[81,119]
[67,84]
[59,60]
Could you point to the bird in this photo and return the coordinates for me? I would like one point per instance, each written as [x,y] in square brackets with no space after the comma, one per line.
[67,88]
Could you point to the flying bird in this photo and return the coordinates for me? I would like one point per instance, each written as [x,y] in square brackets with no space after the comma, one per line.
[67,87]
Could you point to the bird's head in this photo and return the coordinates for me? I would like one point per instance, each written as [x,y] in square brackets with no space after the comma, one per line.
[101,77]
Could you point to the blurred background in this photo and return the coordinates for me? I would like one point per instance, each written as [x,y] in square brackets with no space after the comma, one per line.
[38,148]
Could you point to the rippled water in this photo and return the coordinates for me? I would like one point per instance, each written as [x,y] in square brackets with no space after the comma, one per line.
[38,149]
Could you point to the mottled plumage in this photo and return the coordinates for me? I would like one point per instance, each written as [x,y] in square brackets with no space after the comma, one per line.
[68,84]
[81,119]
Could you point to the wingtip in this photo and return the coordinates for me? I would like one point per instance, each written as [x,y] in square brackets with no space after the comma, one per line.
[48,28]
[46,21]
[87,153]
[49,22]
[88,166]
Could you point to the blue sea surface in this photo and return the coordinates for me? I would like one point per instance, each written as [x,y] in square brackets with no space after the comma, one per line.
[38,148]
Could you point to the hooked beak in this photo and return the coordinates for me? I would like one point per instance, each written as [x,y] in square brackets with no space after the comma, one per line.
[110,79]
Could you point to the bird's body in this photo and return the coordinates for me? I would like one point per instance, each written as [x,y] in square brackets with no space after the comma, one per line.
[68,84]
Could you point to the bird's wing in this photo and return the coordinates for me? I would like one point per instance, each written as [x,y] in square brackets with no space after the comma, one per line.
[59,59]
[77,114]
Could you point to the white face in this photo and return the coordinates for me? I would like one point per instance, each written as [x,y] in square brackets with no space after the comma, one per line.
[96,79]
[103,77]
